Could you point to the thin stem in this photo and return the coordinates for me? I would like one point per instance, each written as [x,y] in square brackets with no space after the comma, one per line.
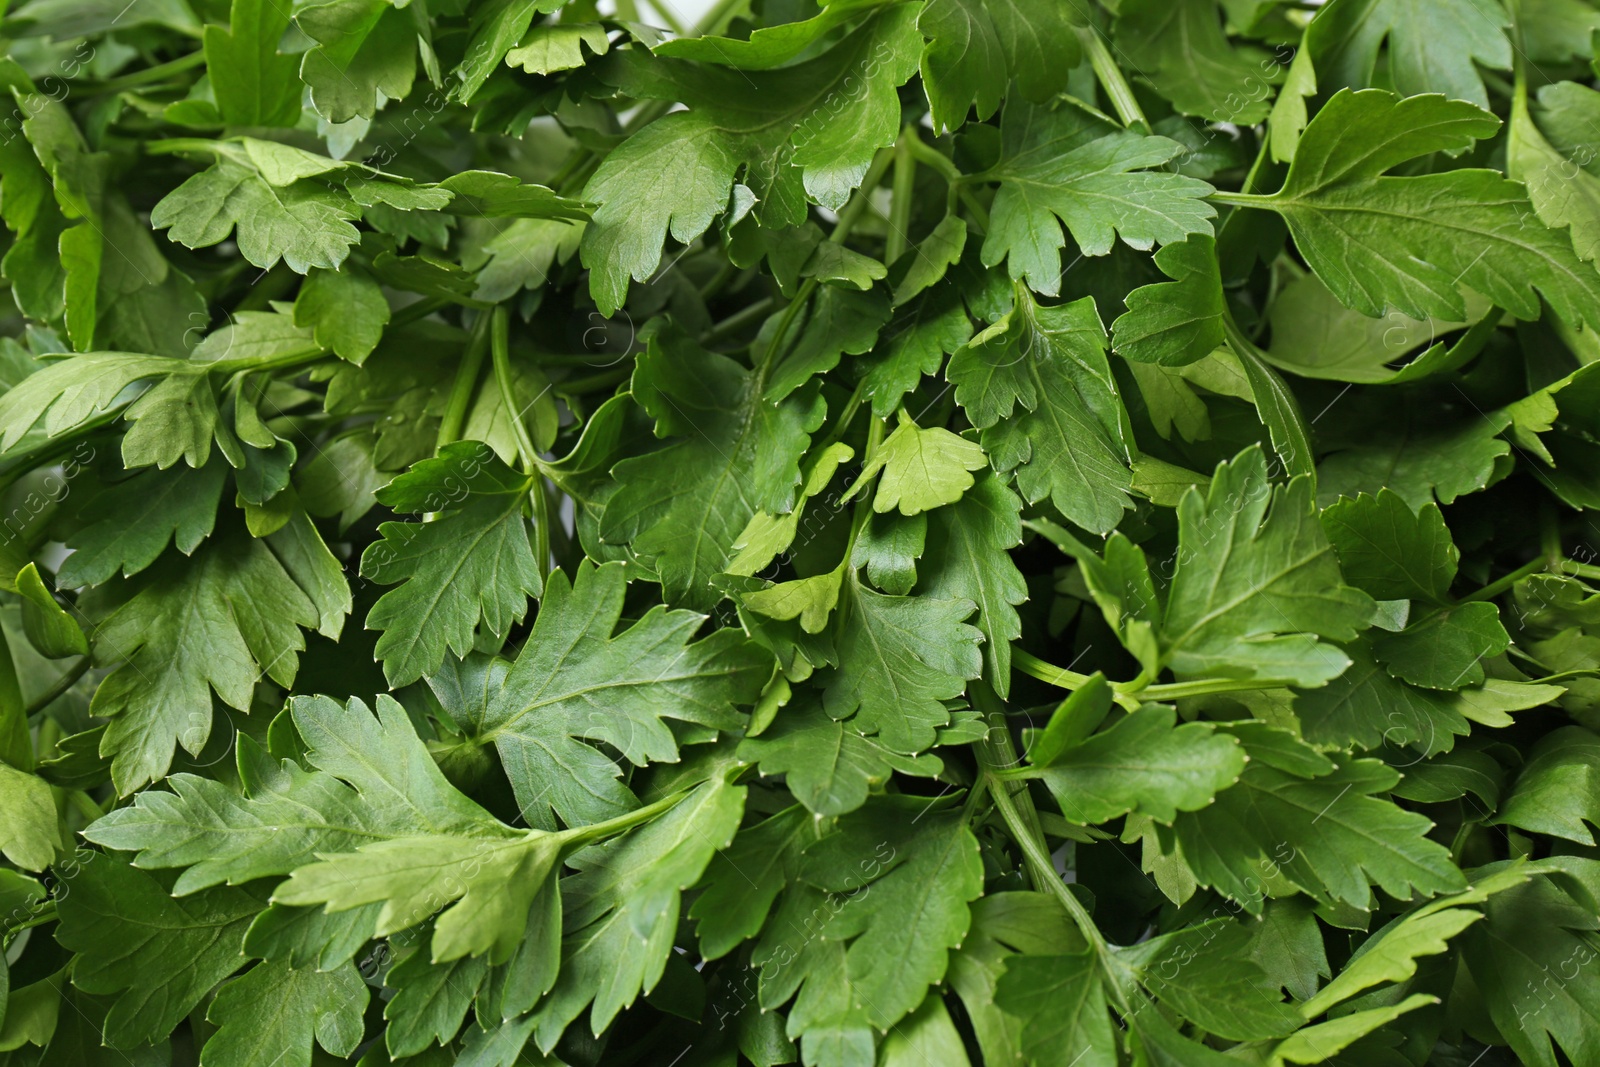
[455,410]
[1495,588]
[905,178]
[980,214]
[1112,81]
[591,382]
[586,834]
[1222,196]
[500,347]
[1060,677]
[1044,873]
[282,361]
[841,424]
[768,358]
[930,156]
[147,75]
[1179,690]
[59,689]
[863,195]
[738,320]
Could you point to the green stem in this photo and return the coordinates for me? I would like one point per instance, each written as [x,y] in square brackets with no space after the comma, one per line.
[591,382]
[1495,588]
[455,409]
[769,357]
[587,834]
[1044,873]
[1060,677]
[863,195]
[930,156]
[841,424]
[147,75]
[1112,81]
[500,348]
[281,361]
[980,214]
[1179,690]
[1222,196]
[62,684]
[738,320]
[905,178]
[167,146]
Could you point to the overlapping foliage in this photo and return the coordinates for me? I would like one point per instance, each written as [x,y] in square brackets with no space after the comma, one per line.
[901,532]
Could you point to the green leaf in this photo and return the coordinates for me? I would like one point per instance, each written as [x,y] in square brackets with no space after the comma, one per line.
[1143,763]
[620,911]
[888,546]
[1182,50]
[1257,582]
[928,1035]
[1390,551]
[1071,442]
[922,469]
[1391,954]
[49,628]
[899,659]
[743,880]
[837,322]
[127,526]
[470,569]
[730,454]
[182,632]
[547,49]
[1557,791]
[576,682]
[1444,649]
[345,310]
[767,536]
[496,30]
[65,396]
[828,766]
[913,915]
[158,956]
[306,223]
[485,884]
[1205,974]
[270,1015]
[1433,48]
[975,50]
[1003,922]
[30,838]
[1531,931]
[970,561]
[365,53]
[803,132]
[1062,1008]
[1072,165]
[1563,194]
[1440,459]
[254,84]
[369,778]
[1367,706]
[1411,243]
[1177,322]
[1321,825]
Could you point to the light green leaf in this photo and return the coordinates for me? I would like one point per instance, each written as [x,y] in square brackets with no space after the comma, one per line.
[922,469]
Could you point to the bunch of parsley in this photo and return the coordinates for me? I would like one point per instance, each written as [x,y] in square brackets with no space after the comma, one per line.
[919,533]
